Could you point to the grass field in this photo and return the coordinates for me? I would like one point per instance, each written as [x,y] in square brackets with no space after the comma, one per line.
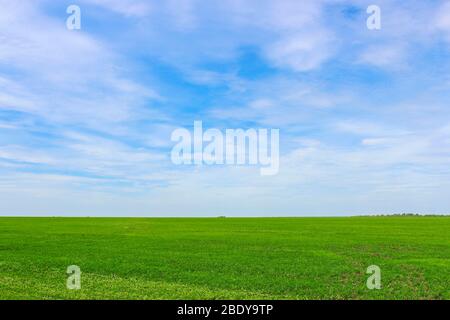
[225,258]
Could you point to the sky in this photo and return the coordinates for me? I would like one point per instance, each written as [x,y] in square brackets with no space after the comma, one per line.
[86,115]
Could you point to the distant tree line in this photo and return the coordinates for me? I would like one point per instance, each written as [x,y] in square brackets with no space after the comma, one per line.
[409,215]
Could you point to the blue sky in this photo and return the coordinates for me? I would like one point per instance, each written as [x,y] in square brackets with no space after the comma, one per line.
[86,115]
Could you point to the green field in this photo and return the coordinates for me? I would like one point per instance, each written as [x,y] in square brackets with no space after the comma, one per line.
[225,258]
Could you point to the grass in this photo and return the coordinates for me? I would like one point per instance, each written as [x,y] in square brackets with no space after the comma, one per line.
[260,258]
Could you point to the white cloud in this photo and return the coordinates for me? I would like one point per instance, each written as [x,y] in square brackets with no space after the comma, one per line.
[84,79]
[442,19]
[367,128]
[301,52]
[129,8]
[388,55]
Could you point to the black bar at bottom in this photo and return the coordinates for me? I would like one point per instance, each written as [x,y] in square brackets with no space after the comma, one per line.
[229,309]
